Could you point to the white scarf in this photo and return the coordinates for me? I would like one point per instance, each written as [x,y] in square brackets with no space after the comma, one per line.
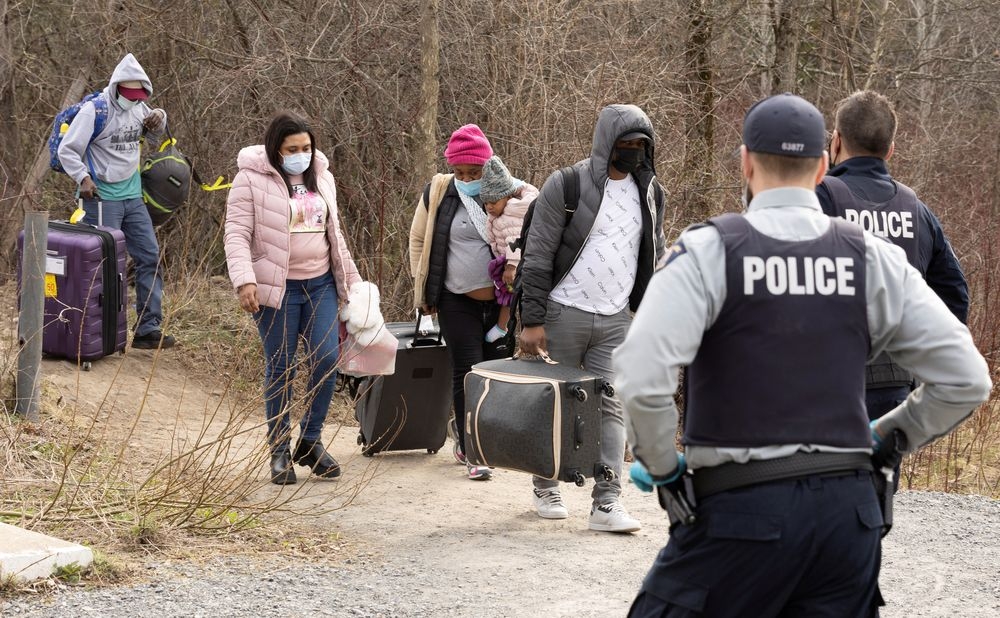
[476,213]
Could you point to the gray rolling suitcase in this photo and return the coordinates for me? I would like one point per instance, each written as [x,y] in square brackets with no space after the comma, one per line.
[537,417]
[409,409]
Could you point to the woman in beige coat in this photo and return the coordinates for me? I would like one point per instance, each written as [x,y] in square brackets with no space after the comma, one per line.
[449,259]
[289,265]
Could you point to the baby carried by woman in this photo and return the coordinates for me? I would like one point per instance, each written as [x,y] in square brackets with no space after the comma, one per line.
[506,200]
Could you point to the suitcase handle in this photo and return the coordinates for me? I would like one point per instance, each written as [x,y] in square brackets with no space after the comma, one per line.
[417,339]
[578,426]
[76,218]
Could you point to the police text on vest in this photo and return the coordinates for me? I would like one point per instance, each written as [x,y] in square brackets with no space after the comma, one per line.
[882,223]
[799,276]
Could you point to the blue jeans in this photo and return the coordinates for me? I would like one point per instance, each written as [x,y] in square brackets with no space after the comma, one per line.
[131,217]
[308,310]
[582,339]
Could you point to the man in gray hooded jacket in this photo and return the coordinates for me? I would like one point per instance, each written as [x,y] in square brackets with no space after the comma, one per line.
[583,274]
[106,168]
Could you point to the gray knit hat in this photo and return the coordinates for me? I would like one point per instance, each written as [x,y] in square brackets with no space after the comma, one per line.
[497,182]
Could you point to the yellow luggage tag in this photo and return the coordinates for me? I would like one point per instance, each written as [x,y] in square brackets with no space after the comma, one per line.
[78,214]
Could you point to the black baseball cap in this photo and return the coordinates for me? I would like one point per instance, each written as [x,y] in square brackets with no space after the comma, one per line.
[785,124]
[634,135]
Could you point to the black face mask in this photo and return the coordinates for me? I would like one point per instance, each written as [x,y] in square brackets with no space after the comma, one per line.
[627,160]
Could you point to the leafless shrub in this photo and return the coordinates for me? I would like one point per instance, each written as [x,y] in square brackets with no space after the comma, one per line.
[533,73]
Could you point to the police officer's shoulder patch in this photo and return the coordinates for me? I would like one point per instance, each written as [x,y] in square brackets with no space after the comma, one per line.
[675,251]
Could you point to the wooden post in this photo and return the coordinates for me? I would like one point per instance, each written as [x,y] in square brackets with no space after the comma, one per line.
[29,357]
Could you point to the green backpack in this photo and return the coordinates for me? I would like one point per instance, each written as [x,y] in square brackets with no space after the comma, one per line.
[166,180]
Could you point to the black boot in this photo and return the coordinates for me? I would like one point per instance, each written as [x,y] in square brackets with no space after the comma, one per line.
[313,454]
[282,471]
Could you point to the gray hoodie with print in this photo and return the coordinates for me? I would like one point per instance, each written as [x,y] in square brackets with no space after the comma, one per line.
[114,153]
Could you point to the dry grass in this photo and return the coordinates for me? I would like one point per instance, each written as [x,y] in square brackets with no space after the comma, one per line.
[202,489]
[91,471]
[965,461]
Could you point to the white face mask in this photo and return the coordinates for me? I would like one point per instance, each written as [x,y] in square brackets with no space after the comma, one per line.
[126,104]
[296,163]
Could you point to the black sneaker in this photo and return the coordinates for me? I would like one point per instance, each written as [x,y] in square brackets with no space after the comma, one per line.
[153,340]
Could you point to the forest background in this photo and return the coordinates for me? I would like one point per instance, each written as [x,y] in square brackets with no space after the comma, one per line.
[385,82]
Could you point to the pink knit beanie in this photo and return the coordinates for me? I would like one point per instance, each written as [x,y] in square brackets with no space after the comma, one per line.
[468,145]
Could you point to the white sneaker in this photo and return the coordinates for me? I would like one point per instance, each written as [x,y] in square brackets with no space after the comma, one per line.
[479,473]
[612,517]
[549,504]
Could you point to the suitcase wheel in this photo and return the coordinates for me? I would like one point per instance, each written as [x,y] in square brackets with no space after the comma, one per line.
[603,471]
[432,451]
[86,365]
[579,479]
[578,392]
[361,439]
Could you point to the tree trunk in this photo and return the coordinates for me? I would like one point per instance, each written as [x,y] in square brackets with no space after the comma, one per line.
[426,160]
[786,45]
[9,135]
[700,121]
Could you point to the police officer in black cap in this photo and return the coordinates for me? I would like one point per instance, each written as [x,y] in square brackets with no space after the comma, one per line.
[860,189]
[774,313]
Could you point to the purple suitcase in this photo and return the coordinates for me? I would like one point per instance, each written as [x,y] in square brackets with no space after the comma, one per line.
[85,292]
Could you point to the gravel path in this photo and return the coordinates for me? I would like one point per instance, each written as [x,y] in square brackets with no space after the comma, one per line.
[436,544]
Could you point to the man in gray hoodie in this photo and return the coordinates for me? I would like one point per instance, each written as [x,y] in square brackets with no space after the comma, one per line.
[583,274]
[106,168]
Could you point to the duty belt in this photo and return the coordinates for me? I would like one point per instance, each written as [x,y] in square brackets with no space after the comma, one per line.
[708,481]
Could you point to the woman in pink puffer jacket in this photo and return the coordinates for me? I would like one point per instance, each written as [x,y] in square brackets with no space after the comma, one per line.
[506,199]
[291,268]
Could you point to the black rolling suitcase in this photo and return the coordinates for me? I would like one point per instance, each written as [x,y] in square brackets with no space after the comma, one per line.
[85,292]
[535,416]
[409,409]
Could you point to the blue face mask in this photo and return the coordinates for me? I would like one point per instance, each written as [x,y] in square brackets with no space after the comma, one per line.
[469,188]
[295,164]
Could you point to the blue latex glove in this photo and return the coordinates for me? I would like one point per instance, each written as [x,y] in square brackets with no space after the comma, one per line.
[641,478]
[876,439]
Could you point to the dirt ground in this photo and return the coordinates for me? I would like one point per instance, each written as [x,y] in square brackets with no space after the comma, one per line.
[478,548]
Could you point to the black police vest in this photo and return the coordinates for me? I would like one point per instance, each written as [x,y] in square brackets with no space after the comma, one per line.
[897,220]
[784,363]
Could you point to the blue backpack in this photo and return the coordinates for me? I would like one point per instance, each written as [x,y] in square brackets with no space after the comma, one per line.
[63,119]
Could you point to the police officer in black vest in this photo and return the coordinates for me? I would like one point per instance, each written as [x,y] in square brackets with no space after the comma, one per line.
[774,313]
[860,189]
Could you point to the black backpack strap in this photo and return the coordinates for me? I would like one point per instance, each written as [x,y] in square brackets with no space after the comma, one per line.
[427,197]
[571,200]
[571,191]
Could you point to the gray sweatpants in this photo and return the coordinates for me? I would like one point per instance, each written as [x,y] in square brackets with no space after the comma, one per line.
[583,339]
